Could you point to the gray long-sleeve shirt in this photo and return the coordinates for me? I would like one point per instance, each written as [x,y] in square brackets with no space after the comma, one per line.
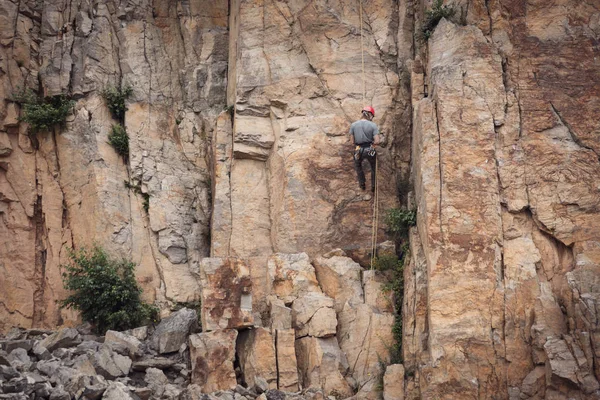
[364,131]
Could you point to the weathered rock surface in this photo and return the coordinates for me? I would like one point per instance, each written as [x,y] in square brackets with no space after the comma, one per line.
[322,364]
[226,294]
[393,382]
[174,330]
[504,260]
[256,354]
[212,355]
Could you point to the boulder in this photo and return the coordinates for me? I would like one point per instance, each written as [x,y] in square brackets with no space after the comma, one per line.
[19,359]
[41,352]
[154,362]
[212,355]
[123,343]
[173,331]
[393,382]
[10,345]
[117,391]
[59,393]
[287,366]
[292,275]
[322,365]
[256,354]
[313,314]
[67,337]
[340,279]
[110,364]
[156,380]
[226,294]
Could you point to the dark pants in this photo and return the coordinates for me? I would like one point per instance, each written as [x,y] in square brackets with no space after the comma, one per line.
[359,157]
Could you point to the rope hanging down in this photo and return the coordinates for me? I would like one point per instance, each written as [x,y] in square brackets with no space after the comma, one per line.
[376,193]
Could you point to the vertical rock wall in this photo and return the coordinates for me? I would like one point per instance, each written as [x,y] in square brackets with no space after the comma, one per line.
[502,286]
[295,84]
[66,188]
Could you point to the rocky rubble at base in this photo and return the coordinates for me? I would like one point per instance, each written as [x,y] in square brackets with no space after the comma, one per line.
[74,364]
[324,335]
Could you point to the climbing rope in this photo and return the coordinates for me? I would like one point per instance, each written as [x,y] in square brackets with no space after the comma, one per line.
[376,193]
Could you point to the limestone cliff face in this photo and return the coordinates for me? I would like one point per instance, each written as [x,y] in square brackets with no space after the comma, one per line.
[237,130]
[502,289]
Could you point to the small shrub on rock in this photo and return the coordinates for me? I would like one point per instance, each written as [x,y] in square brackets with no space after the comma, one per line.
[43,113]
[399,221]
[434,16]
[115,100]
[105,291]
[119,140]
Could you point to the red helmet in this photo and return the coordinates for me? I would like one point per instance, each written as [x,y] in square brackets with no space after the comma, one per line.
[369,109]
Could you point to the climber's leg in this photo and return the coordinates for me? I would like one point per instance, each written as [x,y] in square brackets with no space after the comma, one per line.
[360,174]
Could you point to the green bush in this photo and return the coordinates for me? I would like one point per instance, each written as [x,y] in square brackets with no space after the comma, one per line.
[434,16]
[119,140]
[396,285]
[399,221]
[115,100]
[43,114]
[138,189]
[105,291]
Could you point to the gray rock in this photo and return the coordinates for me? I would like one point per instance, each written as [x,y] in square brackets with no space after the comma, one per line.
[43,390]
[15,385]
[143,393]
[274,394]
[174,330]
[48,368]
[4,359]
[87,346]
[156,380]
[10,345]
[94,387]
[67,337]
[59,393]
[41,352]
[260,384]
[158,362]
[62,353]
[123,343]
[111,365]
[140,333]
[172,392]
[117,391]
[192,392]
[19,359]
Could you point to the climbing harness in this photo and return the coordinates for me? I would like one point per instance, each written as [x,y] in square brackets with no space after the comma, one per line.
[371,151]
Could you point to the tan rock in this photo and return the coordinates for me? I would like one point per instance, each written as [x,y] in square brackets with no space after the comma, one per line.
[287,366]
[393,382]
[366,338]
[280,315]
[340,279]
[12,115]
[314,315]
[292,275]
[377,293]
[321,364]
[256,354]
[5,146]
[226,294]
[212,355]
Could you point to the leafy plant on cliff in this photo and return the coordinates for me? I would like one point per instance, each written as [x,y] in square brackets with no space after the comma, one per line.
[119,140]
[105,291]
[399,221]
[43,113]
[115,100]
[396,286]
[434,16]
[138,190]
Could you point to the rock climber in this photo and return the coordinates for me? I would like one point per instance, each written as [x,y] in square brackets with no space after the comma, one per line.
[364,134]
